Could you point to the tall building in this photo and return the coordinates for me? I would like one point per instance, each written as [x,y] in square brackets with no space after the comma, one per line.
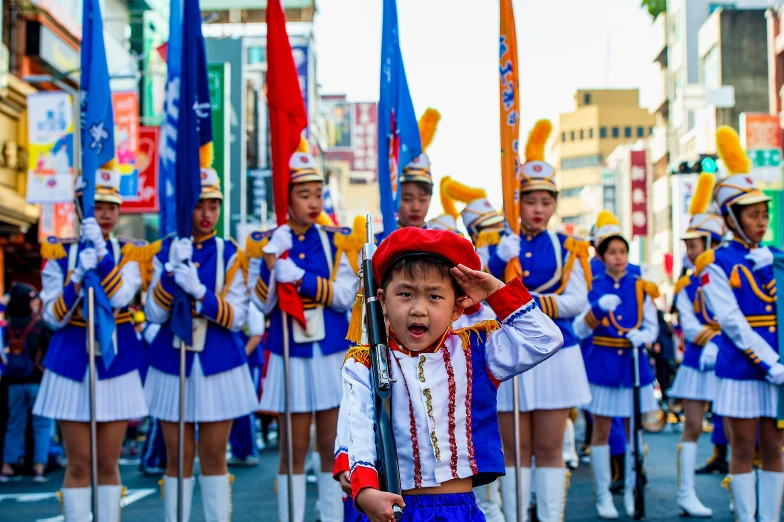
[602,120]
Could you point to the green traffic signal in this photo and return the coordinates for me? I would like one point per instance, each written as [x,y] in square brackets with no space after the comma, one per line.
[709,165]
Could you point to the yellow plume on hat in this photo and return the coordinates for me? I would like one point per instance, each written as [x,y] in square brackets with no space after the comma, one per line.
[427,127]
[732,154]
[702,194]
[303,145]
[463,193]
[606,218]
[534,148]
[324,220]
[206,155]
[447,202]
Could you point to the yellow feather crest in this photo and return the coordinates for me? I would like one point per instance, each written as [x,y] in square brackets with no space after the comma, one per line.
[534,148]
[303,145]
[702,194]
[732,154]
[324,220]
[206,155]
[110,165]
[463,193]
[606,218]
[427,127]
[447,202]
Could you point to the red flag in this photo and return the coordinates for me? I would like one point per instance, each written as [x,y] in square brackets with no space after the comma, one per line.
[288,119]
[163,50]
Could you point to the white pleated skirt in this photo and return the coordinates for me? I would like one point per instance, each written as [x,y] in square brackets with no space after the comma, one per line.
[745,399]
[618,402]
[223,396]
[316,383]
[116,399]
[694,384]
[557,383]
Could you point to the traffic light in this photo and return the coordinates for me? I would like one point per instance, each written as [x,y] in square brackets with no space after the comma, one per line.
[706,163]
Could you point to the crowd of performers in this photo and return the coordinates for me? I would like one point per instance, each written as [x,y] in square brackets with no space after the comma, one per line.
[469,321]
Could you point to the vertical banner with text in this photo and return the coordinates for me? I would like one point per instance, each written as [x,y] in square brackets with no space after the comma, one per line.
[146,199]
[509,114]
[218,77]
[126,142]
[50,168]
[639,195]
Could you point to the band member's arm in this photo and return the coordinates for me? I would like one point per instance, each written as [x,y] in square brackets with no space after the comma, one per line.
[230,309]
[360,416]
[159,299]
[341,439]
[693,330]
[122,287]
[263,293]
[526,336]
[338,294]
[58,300]
[572,301]
[721,300]
[650,321]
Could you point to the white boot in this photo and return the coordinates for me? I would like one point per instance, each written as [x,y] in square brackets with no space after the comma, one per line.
[77,504]
[628,489]
[552,486]
[770,491]
[509,493]
[687,495]
[299,484]
[600,463]
[330,498]
[109,503]
[488,499]
[169,485]
[569,447]
[216,497]
[743,493]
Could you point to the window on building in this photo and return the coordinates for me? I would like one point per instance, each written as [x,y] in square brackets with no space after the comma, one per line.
[581,162]
[711,73]
[627,132]
[563,137]
[587,98]
[582,134]
[650,131]
[573,192]
[590,132]
[573,134]
[602,132]
[640,132]
[616,132]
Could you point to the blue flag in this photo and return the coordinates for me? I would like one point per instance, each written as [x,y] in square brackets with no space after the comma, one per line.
[186,127]
[398,131]
[97,133]
[778,275]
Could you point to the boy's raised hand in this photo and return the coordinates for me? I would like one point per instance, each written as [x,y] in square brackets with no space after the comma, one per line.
[478,285]
[379,505]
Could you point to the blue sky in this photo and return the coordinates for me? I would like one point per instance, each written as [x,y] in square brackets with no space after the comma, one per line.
[450,49]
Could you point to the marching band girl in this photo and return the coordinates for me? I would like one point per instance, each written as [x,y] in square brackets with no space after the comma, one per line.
[739,288]
[321,263]
[218,387]
[621,318]
[555,267]
[695,382]
[64,393]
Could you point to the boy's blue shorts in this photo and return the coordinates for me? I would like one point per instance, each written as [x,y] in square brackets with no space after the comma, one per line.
[440,508]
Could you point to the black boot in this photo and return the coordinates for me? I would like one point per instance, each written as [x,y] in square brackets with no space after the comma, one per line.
[618,469]
[717,463]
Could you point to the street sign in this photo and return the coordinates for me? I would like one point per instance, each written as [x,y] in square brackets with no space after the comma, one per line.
[773,236]
[765,157]
[218,75]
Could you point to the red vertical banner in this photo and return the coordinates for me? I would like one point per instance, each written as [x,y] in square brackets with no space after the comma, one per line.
[509,114]
[146,200]
[639,195]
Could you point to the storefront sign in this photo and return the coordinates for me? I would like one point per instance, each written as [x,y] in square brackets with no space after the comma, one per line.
[300,53]
[760,136]
[126,141]
[57,220]
[50,174]
[217,78]
[145,201]
[365,132]
[773,236]
[639,195]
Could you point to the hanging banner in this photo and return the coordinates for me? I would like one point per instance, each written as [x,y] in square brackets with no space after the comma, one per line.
[639,185]
[57,220]
[145,201]
[219,81]
[126,142]
[50,167]
[510,114]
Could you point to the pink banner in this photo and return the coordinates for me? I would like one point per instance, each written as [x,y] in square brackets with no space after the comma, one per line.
[639,195]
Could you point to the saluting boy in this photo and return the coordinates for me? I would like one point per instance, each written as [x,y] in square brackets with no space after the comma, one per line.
[444,381]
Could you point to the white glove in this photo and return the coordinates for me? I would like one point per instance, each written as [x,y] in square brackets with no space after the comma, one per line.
[182,250]
[91,231]
[609,302]
[761,257]
[279,242]
[637,338]
[708,357]
[287,272]
[509,248]
[187,278]
[88,260]
[776,374]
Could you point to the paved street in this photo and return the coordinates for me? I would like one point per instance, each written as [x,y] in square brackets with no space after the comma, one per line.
[254,498]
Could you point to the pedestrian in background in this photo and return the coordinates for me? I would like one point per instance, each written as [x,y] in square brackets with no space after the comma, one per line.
[26,338]
[664,354]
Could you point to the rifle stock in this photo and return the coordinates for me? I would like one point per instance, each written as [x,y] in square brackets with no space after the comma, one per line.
[380,377]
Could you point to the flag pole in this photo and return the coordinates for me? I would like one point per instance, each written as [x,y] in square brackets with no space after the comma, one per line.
[287,408]
[181,436]
[91,384]
[517,464]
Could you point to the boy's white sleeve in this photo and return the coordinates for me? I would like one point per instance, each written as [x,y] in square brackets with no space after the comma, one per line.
[360,416]
[341,439]
[526,337]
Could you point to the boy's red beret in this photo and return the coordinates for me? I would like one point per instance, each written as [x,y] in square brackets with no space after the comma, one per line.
[412,241]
